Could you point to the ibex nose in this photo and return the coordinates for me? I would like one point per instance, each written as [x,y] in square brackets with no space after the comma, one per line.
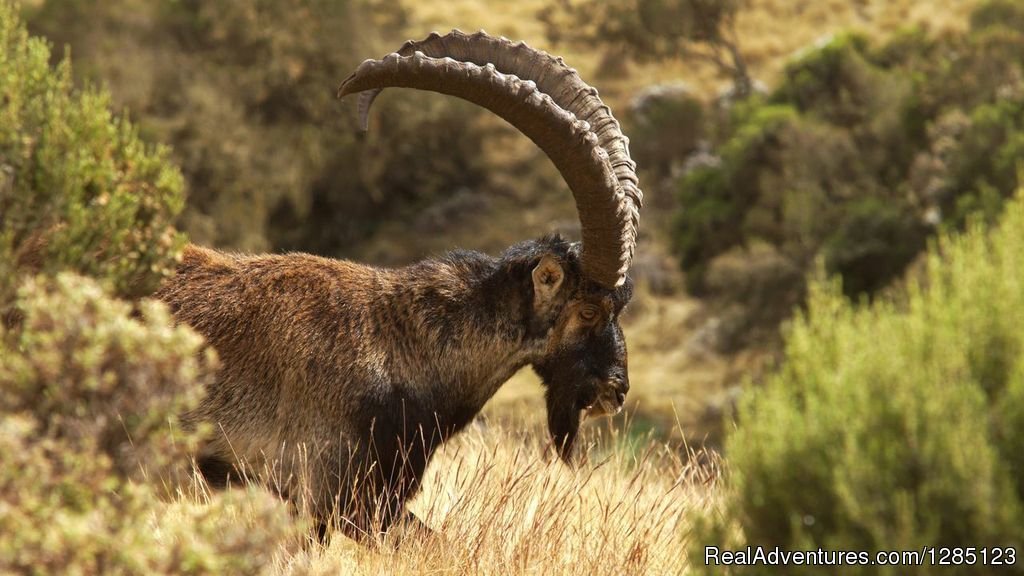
[622,382]
[621,387]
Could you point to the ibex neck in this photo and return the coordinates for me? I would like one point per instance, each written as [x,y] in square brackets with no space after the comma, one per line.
[470,317]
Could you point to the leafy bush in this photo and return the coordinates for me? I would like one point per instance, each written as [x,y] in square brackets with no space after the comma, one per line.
[99,381]
[987,156]
[714,199]
[64,513]
[666,124]
[78,189]
[897,425]
[91,442]
[859,155]
[91,386]
[993,13]
[873,243]
[834,81]
[803,186]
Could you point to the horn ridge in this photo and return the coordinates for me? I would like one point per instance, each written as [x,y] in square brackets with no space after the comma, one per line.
[554,77]
[566,89]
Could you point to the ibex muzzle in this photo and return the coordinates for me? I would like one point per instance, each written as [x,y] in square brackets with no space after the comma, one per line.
[348,377]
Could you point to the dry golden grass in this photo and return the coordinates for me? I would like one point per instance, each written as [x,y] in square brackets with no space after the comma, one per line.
[500,506]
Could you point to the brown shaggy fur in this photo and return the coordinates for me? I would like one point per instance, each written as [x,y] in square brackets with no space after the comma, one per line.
[338,381]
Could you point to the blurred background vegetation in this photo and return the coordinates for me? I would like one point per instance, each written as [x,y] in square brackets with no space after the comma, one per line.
[777,142]
[770,136]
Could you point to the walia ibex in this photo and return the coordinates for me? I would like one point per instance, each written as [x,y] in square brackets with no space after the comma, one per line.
[349,377]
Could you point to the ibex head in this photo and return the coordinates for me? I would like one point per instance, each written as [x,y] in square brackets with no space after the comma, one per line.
[578,290]
[584,367]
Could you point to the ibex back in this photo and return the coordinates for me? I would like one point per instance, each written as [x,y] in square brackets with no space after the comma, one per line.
[341,380]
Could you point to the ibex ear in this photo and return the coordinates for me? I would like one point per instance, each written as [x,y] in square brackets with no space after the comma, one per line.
[547,279]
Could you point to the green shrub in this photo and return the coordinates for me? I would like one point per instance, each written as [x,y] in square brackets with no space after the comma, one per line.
[100,381]
[897,425]
[834,81]
[666,124]
[996,13]
[804,186]
[64,513]
[988,154]
[874,243]
[78,189]
[92,388]
[91,442]
[714,200]
[861,153]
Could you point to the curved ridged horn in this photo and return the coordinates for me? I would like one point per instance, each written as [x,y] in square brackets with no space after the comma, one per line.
[609,215]
[552,76]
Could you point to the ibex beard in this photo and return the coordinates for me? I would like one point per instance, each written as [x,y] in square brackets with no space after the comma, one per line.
[342,380]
